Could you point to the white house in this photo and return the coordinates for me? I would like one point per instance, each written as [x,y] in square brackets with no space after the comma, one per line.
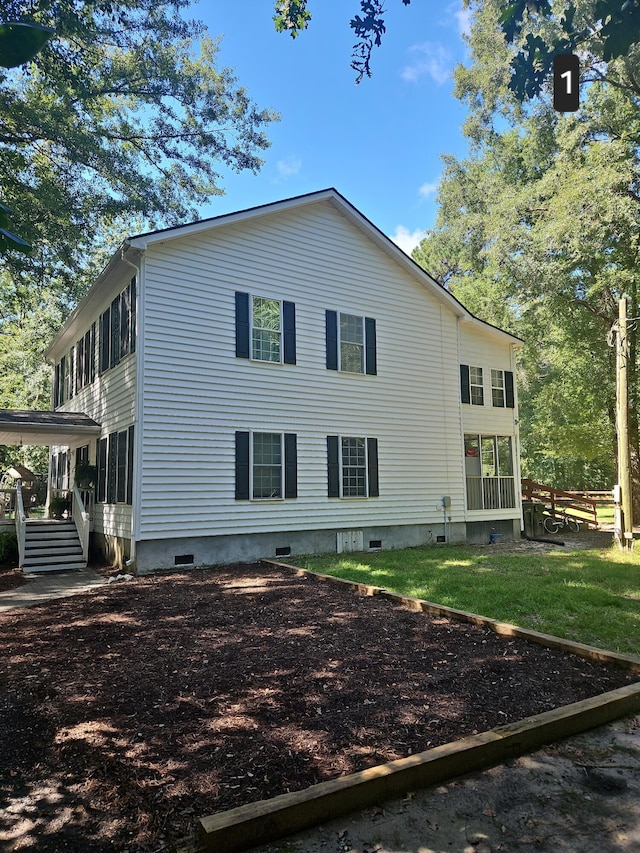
[282,380]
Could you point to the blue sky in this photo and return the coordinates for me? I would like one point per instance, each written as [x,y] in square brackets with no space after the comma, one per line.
[378,143]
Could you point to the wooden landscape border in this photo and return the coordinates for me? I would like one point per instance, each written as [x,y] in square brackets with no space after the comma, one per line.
[267,820]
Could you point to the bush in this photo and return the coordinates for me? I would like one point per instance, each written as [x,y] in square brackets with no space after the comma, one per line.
[8,547]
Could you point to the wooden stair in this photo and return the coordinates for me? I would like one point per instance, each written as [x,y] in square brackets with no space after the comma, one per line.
[52,546]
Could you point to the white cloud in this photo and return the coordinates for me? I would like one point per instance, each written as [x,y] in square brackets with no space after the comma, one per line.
[428,189]
[407,240]
[463,17]
[289,167]
[431,59]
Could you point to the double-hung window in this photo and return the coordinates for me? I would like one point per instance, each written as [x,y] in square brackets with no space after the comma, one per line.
[266,466]
[350,343]
[497,388]
[352,467]
[265,329]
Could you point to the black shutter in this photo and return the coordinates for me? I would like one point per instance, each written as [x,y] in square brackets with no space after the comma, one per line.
[465,387]
[56,386]
[290,465]
[125,317]
[333,466]
[105,340]
[370,346]
[509,398]
[331,321]
[72,384]
[130,466]
[289,323]
[242,466]
[133,325]
[86,364]
[112,467]
[92,353]
[101,459]
[243,330]
[115,332]
[372,467]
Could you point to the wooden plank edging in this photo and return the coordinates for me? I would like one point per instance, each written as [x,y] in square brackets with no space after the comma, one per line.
[267,820]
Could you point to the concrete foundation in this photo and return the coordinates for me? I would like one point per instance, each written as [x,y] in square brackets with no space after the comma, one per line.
[219,550]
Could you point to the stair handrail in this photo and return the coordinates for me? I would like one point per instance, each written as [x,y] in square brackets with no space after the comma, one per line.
[82,520]
[21,523]
[534,491]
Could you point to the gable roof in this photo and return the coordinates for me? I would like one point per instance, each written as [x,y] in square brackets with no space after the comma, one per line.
[136,245]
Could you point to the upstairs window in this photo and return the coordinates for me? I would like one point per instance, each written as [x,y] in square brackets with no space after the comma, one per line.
[350,343]
[117,328]
[502,389]
[265,329]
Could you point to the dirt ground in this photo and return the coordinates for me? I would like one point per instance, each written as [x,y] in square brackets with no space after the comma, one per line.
[579,796]
[127,713]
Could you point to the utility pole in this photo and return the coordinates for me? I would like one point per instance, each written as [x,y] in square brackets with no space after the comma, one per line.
[624,525]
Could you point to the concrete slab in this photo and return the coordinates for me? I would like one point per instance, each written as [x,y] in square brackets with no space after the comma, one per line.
[50,585]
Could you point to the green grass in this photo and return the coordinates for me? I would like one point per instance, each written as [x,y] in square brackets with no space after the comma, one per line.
[592,597]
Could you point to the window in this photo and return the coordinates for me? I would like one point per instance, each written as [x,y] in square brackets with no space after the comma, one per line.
[497,388]
[475,386]
[114,457]
[350,343]
[502,389]
[471,385]
[266,465]
[265,329]
[352,467]
[117,328]
[489,472]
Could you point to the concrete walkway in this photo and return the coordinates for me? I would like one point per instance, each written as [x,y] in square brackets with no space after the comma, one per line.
[48,585]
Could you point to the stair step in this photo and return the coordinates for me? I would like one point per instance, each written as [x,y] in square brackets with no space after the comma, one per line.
[44,559]
[70,567]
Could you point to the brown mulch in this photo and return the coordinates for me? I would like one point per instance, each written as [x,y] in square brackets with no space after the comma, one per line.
[127,713]
[10,577]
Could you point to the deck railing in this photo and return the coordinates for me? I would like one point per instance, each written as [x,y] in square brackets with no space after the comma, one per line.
[490,493]
[21,523]
[573,504]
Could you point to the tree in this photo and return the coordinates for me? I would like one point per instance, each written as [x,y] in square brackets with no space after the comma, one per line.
[536,30]
[123,116]
[124,112]
[538,231]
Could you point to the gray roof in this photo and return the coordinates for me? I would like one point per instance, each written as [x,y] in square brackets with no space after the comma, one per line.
[21,426]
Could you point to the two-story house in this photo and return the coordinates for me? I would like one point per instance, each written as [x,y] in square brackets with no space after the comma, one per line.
[284,380]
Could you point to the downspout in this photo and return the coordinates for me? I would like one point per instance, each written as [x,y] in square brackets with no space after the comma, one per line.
[516,439]
[137,419]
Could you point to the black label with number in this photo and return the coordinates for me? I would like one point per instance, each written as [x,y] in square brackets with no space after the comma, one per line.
[566,83]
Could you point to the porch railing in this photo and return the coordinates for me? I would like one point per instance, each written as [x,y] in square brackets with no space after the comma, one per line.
[82,521]
[21,523]
[490,493]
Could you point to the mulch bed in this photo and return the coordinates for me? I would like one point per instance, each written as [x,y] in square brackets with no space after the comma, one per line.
[127,713]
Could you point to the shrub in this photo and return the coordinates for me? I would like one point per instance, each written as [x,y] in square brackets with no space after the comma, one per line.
[8,547]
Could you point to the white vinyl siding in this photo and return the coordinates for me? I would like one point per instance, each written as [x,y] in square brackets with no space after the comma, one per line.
[198,393]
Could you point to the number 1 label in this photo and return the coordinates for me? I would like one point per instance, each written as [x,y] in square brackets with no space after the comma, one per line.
[566,83]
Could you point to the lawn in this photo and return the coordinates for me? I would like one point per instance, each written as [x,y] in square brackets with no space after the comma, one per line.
[591,596]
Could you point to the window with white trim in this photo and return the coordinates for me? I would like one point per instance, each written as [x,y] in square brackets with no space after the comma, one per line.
[497,388]
[351,339]
[352,467]
[266,329]
[476,386]
[266,465]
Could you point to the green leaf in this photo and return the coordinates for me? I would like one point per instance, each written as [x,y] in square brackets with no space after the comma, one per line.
[21,41]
